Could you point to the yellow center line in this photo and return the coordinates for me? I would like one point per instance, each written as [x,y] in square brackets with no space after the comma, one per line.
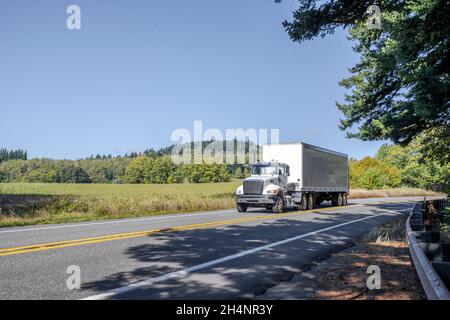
[128,235]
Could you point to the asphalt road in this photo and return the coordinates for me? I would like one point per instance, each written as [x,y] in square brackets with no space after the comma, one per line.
[205,255]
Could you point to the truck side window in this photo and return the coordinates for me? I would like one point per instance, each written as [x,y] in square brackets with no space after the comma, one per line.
[282,171]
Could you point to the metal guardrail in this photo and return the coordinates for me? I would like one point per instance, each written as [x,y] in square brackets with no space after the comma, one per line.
[433,285]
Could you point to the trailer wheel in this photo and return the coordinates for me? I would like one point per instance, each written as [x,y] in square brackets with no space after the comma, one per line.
[279,206]
[303,204]
[344,199]
[340,200]
[310,201]
[241,207]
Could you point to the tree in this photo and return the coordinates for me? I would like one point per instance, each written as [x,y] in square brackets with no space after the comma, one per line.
[135,171]
[6,155]
[40,170]
[13,170]
[68,172]
[370,173]
[417,169]
[158,170]
[394,155]
[401,86]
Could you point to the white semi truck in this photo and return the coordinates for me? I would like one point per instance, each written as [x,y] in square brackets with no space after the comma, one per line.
[295,175]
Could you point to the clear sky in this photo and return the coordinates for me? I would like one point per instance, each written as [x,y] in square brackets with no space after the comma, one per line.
[137,70]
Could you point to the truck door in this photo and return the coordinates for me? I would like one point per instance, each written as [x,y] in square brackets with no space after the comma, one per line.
[282,176]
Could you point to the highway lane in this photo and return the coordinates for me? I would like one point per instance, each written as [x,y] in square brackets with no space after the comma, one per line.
[222,254]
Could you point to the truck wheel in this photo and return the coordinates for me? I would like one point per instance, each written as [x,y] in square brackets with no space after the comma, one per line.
[340,200]
[279,206]
[344,200]
[310,201]
[241,207]
[303,204]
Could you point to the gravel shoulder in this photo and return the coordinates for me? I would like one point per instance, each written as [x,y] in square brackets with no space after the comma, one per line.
[343,276]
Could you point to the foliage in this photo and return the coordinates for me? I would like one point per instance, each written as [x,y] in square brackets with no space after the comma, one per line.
[400,88]
[370,173]
[6,155]
[105,170]
[204,172]
[71,173]
[149,170]
[395,166]
[416,168]
[149,166]
[445,226]
[163,170]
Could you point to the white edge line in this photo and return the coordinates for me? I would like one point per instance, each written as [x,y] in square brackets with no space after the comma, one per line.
[185,272]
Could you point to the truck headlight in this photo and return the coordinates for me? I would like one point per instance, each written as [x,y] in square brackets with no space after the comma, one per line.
[274,191]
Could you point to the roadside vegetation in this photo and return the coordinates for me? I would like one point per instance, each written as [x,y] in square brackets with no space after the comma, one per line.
[25,203]
[43,203]
[445,226]
[391,192]
[395,166]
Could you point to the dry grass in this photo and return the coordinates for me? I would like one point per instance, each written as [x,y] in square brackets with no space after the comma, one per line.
[399,192]
[390,232]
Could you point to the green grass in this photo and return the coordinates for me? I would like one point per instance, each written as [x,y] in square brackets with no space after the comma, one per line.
[24,204]
[133,190]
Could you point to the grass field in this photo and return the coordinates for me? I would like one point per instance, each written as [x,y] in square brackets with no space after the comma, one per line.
[27,203]
[24,204]
[133,190]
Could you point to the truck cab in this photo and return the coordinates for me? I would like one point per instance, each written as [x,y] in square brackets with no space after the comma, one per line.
[266,187]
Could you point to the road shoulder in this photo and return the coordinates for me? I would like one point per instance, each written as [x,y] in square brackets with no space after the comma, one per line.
[343,276]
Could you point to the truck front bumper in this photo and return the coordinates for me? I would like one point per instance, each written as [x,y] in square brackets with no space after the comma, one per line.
[256,200]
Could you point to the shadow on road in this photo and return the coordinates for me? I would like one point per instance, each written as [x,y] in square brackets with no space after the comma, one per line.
[247,276]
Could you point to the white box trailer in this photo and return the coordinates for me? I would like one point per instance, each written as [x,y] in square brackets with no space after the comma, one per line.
[311,168]
[296,175]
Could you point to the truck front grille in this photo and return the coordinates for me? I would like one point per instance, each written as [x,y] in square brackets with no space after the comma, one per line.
[253,187]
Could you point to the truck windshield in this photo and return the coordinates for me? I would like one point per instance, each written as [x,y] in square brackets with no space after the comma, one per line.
[264,170]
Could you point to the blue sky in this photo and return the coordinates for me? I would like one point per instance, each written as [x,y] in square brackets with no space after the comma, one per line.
[137,70]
